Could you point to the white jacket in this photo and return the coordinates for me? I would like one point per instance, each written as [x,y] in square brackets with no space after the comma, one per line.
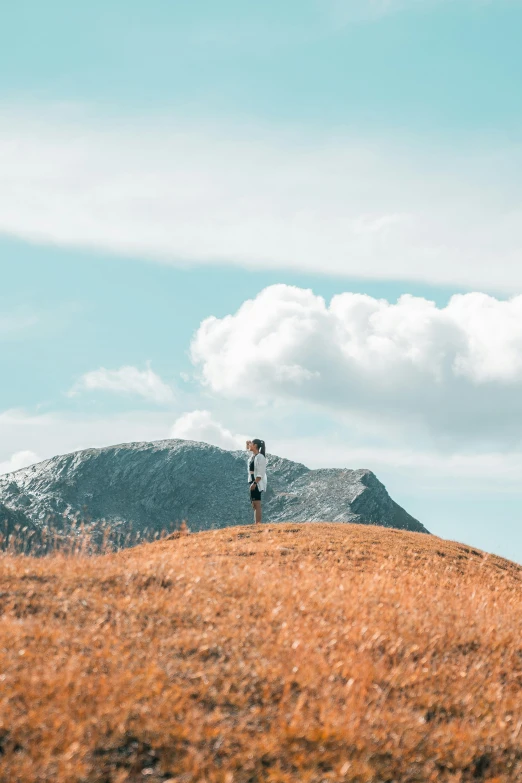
[260,470]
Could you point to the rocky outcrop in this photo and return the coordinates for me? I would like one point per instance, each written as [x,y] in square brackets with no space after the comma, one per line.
[152,486]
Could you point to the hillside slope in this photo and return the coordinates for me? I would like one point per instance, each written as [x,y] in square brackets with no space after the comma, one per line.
[283,653]
[155,485]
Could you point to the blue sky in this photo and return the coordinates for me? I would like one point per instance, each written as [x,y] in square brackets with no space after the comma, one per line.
[162,163]
[430,66]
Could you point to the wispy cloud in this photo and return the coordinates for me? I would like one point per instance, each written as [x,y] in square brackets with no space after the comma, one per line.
[344,12]
[446,471]
[342,206]
[126,380]
[27,438]
[16,324]
[49,434]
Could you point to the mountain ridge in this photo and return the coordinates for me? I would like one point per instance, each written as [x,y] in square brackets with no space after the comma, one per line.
[153,485]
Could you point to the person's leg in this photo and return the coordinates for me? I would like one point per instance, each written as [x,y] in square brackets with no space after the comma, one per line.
[257,512]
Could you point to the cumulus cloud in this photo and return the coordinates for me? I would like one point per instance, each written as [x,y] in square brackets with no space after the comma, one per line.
[126,380]
[455,369]
[200,425]
[377,208]
[20,459]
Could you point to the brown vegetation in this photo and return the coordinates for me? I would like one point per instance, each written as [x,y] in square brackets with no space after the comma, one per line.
[317,652]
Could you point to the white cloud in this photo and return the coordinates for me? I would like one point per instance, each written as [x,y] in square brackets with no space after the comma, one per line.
[456,370]
[200,425]
[49,434]
[28,438]
[372,208]
[21,459]
[408,463]
[126,380]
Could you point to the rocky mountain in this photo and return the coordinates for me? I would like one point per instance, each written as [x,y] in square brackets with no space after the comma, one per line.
[152,486]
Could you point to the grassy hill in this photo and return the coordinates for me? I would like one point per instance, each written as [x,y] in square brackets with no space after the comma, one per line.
[317,652]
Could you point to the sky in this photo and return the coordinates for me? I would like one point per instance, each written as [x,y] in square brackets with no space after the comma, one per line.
[300,221]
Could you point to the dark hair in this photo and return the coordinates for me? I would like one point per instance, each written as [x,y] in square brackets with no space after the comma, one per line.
[260,445]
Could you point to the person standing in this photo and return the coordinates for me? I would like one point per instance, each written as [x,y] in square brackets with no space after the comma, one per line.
[250,462]
[257,476]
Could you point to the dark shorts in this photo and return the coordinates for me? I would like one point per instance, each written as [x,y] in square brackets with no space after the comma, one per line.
[255,494]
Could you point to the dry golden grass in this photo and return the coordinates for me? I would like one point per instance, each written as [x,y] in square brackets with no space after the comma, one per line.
[317,652]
